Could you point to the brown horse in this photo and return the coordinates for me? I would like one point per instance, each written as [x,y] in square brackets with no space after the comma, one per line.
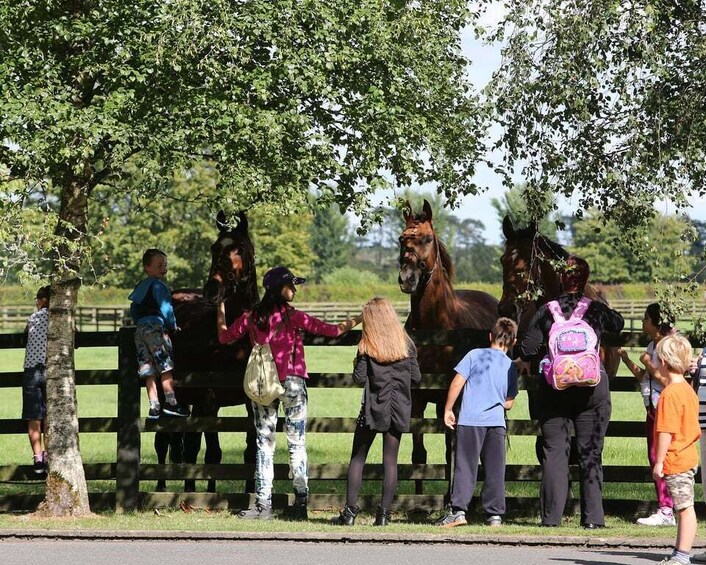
[426,273]
[531,263]
[232,279]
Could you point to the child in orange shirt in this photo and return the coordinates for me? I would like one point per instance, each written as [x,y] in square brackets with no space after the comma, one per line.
[676,433]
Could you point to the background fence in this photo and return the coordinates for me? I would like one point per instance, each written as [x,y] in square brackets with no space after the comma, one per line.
[112,318]
[133,478]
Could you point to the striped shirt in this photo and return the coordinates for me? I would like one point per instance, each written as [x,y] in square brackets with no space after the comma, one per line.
[700,384]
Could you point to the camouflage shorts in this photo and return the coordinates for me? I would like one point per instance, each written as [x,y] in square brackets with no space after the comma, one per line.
[154,350]
[681,488]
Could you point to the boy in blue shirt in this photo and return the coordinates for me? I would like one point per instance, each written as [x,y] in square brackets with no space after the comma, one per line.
[152,313]
[487,378]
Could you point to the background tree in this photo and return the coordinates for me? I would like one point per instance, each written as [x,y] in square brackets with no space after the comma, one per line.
[331,241]
[603,101]
[343,96]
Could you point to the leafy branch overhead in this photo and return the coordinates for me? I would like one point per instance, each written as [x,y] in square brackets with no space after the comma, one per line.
[603,101]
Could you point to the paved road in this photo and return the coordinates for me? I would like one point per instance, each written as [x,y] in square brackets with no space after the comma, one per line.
[140,552]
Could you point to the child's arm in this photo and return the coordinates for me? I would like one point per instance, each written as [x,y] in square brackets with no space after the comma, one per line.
[650,367]
[454,390]
[663,441]
[509,402]
[637,371]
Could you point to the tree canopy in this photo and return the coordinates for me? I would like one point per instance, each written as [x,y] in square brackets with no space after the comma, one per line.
[603,101]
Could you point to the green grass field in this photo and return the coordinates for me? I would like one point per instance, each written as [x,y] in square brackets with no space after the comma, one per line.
[94,401]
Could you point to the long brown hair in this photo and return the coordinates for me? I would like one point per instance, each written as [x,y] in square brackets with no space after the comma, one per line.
[383,338]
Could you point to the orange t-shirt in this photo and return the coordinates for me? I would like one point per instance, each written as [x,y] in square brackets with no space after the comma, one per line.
[678,414]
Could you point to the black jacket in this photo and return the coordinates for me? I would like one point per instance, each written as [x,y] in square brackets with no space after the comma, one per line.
[387,396]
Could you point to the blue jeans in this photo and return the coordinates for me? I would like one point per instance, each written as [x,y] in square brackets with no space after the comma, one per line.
[294,402]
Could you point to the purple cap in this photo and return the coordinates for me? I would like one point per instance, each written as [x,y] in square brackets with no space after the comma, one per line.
[280,276]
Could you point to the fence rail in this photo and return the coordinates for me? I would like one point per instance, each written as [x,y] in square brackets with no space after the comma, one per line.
[112,318]
[131,474]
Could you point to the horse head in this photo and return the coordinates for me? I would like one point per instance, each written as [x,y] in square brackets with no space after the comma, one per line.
[421,252]
[529,272]
[232,260]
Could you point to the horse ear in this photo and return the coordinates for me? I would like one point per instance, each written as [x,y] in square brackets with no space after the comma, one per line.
[221,221]
[407,211]
[427,210]
[243,222]
[508,228]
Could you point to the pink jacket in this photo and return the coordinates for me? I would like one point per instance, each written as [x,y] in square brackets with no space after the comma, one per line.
[287,347]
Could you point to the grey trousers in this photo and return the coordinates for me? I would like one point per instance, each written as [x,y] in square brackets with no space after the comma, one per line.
[488,445]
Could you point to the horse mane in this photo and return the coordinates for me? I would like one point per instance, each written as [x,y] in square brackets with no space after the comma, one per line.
[445,259]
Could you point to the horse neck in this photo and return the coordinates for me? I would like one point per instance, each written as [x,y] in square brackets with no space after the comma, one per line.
[435,305]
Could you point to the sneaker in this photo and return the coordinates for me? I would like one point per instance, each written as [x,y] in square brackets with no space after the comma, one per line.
[257,512]
[494,521]
[175,410]
[658,519]
[700,558]
[153,414]
[452,519]
[670,561]
[39,467]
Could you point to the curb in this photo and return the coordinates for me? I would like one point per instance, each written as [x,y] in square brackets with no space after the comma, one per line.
[323,537]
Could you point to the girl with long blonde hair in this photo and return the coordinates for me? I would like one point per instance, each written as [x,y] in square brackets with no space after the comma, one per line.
[386,364]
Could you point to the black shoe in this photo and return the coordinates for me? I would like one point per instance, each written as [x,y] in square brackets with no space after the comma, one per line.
[175,410]
[382,516]
[590,526]
[298,510]
[347,516]
[153,414]
[39,467]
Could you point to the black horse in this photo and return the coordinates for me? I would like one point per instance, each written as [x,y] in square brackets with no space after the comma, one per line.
[231,279]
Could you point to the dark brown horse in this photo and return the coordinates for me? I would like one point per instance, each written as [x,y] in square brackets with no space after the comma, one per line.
[231,279]
[531,277]
[426,273]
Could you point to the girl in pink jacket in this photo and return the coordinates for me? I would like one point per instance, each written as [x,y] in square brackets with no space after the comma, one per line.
[275,321]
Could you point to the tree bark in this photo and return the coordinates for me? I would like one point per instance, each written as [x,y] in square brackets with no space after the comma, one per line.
[66,490]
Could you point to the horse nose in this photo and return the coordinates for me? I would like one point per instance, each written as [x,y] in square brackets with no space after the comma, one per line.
[407,281]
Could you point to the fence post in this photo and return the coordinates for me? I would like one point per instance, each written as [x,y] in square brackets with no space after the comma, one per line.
[127,468]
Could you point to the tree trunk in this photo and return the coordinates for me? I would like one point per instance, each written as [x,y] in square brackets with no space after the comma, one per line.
[66,491]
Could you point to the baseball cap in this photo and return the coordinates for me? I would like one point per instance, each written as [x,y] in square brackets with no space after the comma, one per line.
[280,276]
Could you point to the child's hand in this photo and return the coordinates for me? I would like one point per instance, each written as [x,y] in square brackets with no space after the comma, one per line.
[658,471]
[449,419]
[623,354]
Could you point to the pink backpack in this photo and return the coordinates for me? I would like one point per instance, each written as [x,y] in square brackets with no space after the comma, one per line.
[572,357]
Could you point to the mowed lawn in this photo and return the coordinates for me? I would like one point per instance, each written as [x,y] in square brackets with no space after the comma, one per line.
[101,400]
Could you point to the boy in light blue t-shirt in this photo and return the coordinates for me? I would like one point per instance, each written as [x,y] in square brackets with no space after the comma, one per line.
[488,380]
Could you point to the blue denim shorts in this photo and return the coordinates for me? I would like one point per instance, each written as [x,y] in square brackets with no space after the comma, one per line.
[34,393]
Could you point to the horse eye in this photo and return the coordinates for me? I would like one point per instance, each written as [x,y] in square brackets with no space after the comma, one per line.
[427,239]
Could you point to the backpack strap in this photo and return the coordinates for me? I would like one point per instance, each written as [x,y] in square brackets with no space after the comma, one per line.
[581,308]
[555,309]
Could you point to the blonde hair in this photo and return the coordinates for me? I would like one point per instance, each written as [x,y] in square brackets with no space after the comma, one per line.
[676,351]
[383,337]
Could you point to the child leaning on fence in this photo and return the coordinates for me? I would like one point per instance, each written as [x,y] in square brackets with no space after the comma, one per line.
[486,380]
[152,313]
[34,402]
[676,433]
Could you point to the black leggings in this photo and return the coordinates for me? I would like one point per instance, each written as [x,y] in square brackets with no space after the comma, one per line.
[362,440]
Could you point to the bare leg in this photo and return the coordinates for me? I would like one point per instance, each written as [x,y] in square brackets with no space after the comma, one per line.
[34,430]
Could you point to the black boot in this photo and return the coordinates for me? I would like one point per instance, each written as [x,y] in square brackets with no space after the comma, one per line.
[347,516]
[298,510]
[382,516]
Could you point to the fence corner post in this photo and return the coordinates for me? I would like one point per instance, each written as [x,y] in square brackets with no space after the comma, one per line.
[127,468]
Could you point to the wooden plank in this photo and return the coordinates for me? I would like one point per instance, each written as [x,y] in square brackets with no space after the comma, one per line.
[85,425]
[22,473]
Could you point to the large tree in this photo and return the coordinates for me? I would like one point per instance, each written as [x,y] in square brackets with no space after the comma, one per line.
[346,96]
[602,101]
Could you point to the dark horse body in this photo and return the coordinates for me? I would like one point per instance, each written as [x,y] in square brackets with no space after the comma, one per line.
[231,279]
[426,273]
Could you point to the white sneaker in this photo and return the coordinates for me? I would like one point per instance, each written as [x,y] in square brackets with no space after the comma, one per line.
[658,519]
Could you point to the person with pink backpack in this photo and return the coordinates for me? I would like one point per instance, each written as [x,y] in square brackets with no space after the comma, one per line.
[573,393]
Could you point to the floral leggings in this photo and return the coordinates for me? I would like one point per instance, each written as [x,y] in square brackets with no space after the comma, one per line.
[294,402]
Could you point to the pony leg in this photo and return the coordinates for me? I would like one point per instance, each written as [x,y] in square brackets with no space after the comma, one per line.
[419,453]
[161,446]
[213,454]
[192,446]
